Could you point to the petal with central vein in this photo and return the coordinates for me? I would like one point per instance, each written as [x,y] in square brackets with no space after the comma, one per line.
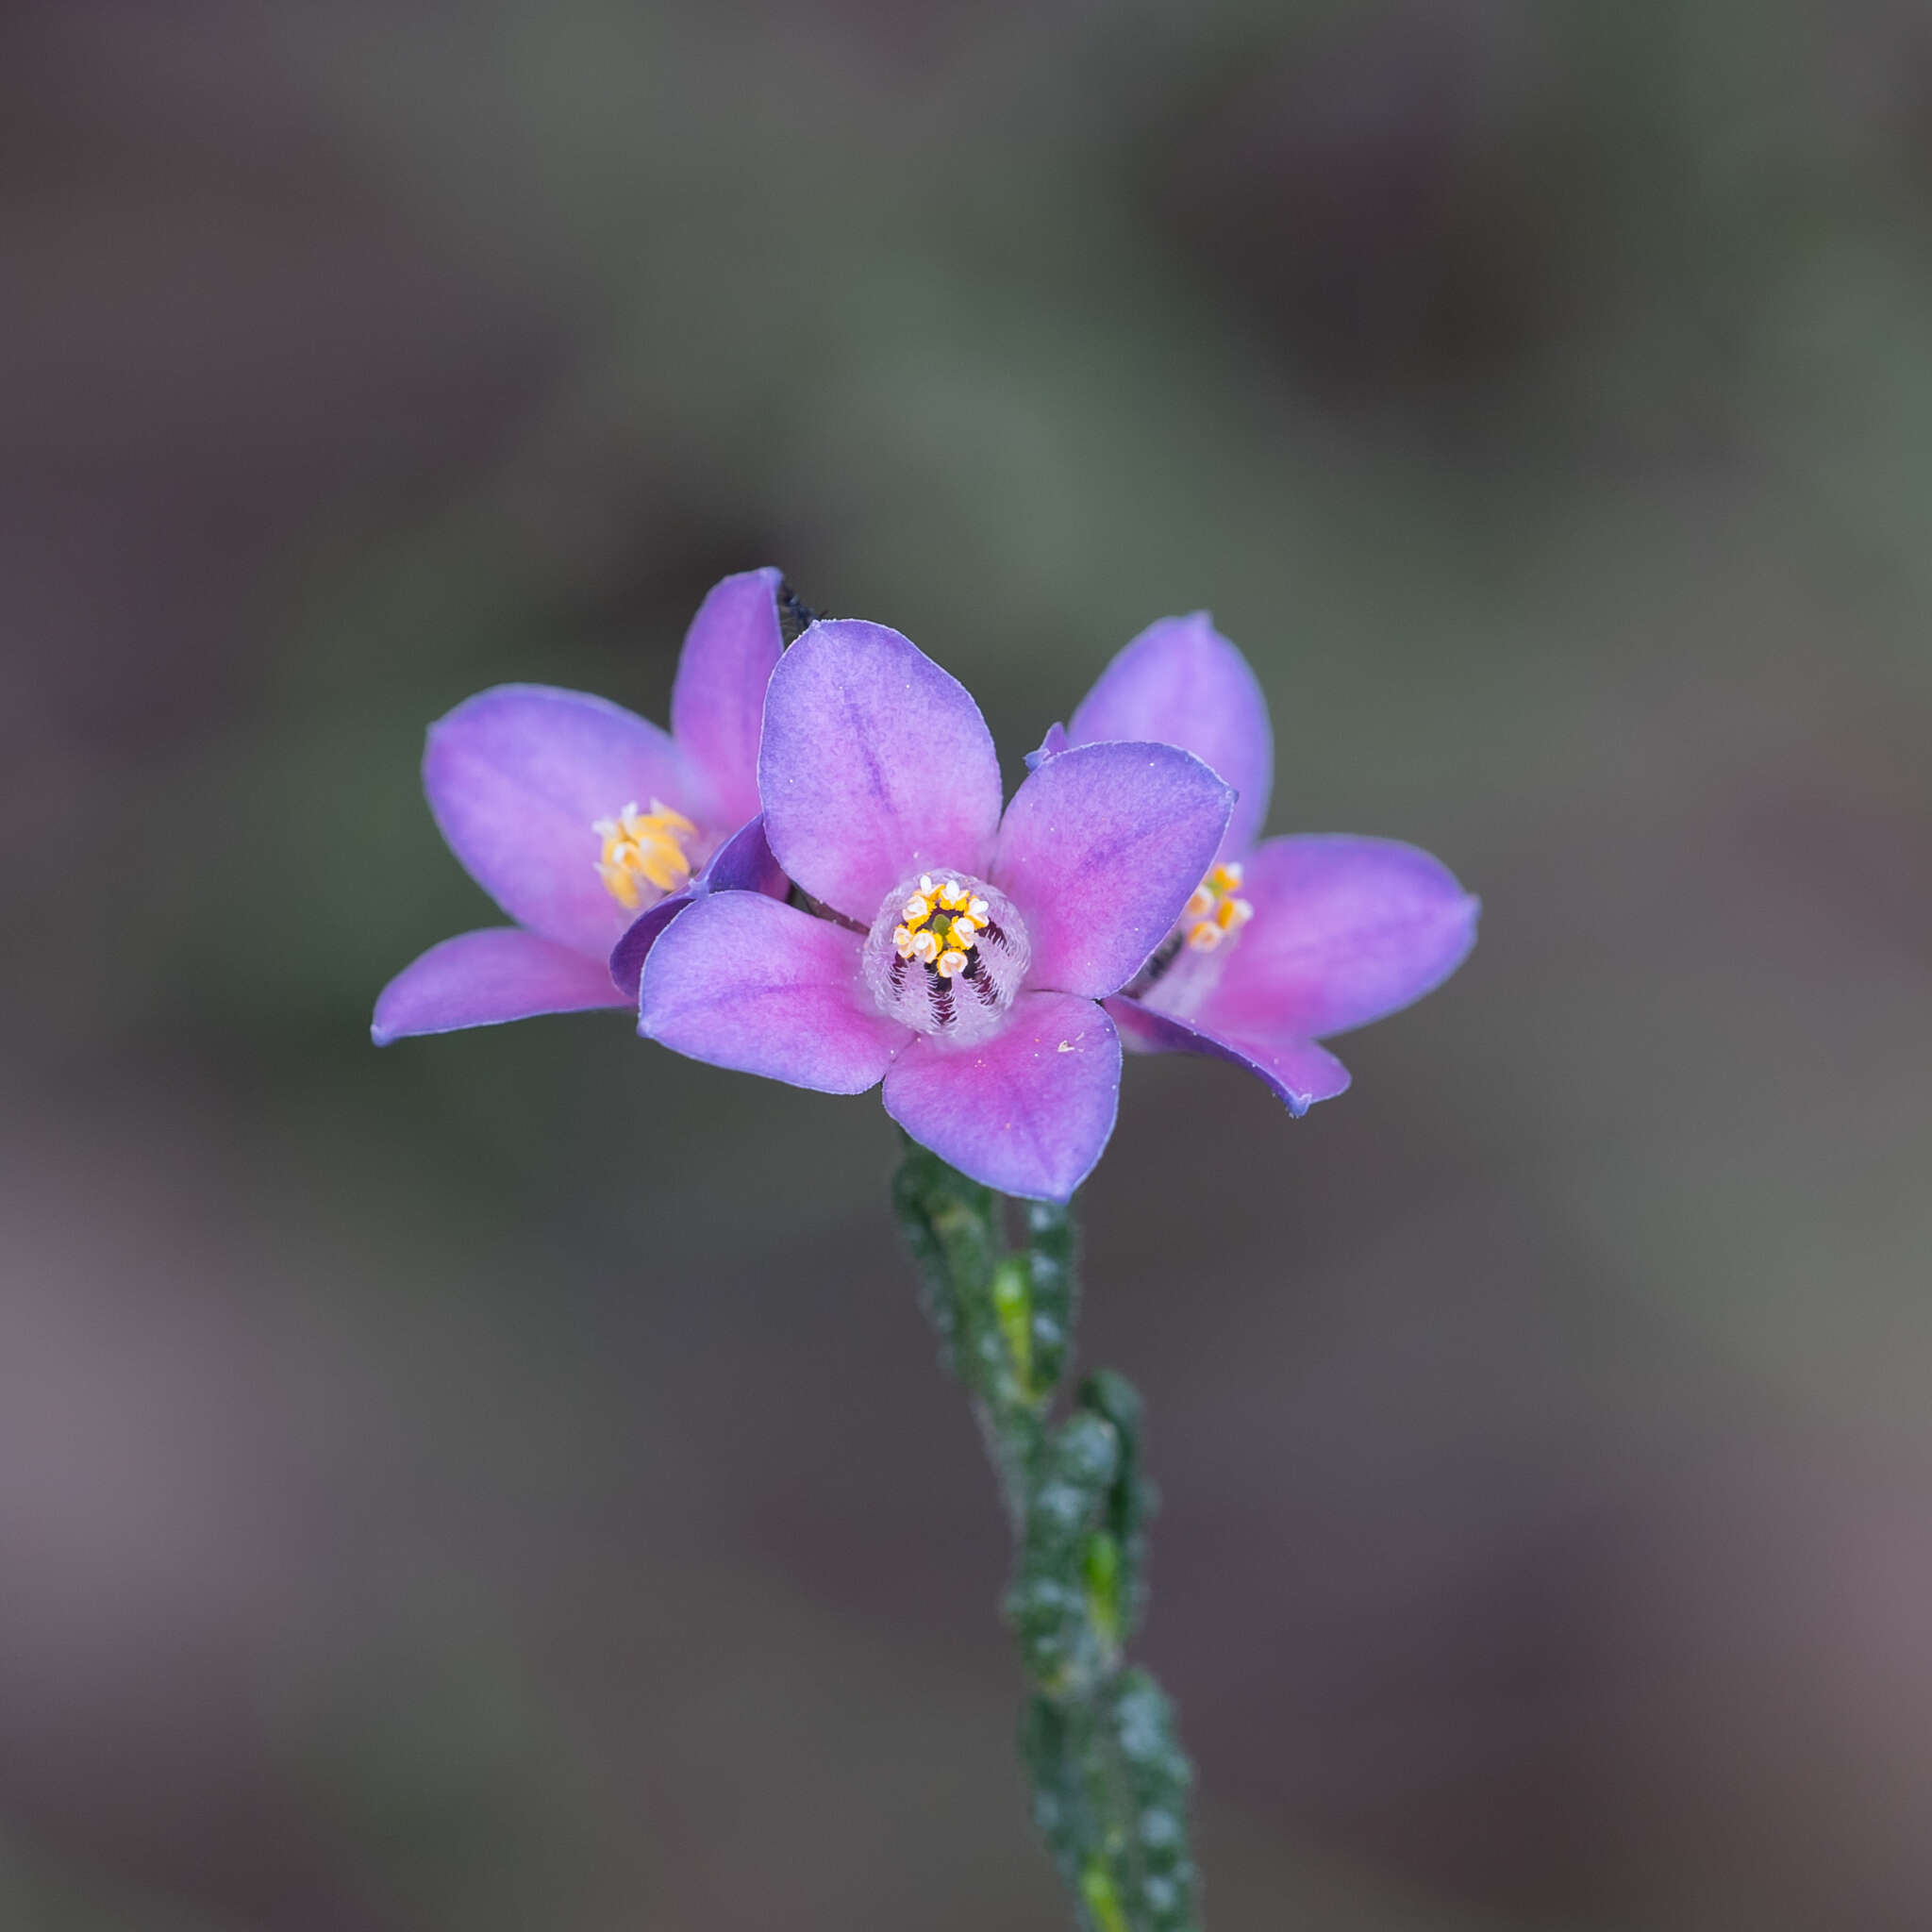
[742,981]
[1100,849]
[1028,1111]
[515,778]
[875,764]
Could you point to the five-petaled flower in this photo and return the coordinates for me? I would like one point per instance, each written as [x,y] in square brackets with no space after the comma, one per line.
[592,827]
[1286,942]
[970,950]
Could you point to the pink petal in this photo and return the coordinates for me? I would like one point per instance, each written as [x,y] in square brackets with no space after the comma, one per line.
[1181,682]
[483,978]
[718,702]
[1344,931]
[740,980]
[515,778]
[875,765]
[1099,850]
[1028,1111]
[1299,1072]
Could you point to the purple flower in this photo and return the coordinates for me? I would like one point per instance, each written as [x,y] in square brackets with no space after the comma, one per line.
[969,951]
[1281,944]
[592,827]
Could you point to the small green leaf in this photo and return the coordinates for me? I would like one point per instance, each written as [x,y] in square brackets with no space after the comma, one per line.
[1101,1900]
[1012,1305]
[1103,1567]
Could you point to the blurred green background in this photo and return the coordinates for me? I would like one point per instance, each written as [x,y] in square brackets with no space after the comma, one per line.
[504,1481]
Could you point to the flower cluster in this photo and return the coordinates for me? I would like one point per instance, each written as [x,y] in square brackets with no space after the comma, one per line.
[813,877]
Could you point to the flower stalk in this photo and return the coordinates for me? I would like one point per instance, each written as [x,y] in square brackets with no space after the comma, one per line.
[1109,1779]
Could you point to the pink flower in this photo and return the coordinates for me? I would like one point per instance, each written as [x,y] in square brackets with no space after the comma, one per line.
[969,950]
[1284,943]
[592,827]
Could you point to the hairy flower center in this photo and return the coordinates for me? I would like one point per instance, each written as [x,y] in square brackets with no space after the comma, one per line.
[644,848]
[1215,911]
[946,955]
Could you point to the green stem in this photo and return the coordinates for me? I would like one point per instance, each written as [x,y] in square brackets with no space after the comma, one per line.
[1109,1779]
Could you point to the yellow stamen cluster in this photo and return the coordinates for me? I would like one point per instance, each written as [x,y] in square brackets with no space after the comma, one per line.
[648,846]
[941,925]
[1216,912]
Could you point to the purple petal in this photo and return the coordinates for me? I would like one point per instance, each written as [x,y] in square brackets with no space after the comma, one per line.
[1344,931]
[719,699]
[1028,1111]
[628,955]
[1299,1072]
[1051,746]
[515,778]
[743,981]
[743,865]
[875,765]
[1100,849]
[482,978]
[1181,682]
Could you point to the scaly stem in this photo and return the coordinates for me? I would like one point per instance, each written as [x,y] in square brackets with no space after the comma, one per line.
[1109,1779]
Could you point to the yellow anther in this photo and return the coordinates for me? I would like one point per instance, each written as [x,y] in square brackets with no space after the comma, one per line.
[943,924]
[1213,913]
[644,848]
[946,972]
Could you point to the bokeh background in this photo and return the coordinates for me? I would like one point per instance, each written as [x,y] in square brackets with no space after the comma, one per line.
[504,1481]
